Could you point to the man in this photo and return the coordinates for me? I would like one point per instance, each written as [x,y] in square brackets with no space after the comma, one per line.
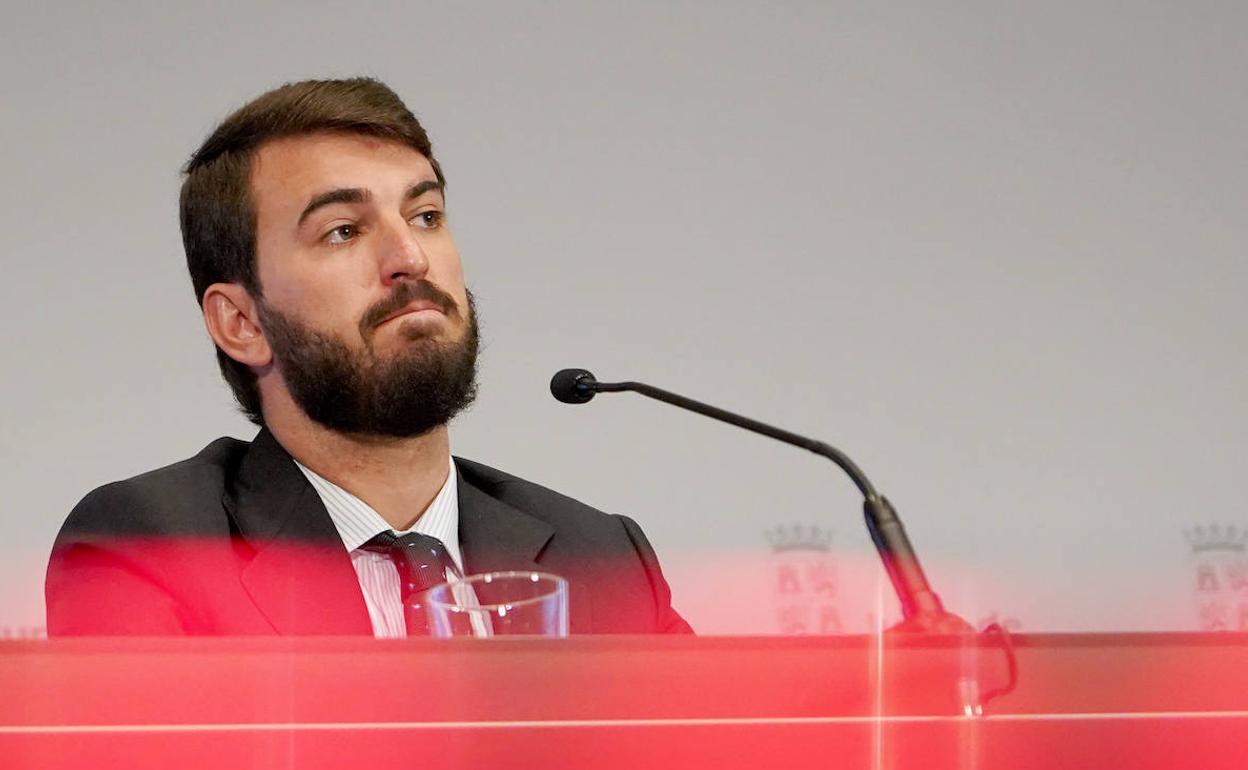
[315,229]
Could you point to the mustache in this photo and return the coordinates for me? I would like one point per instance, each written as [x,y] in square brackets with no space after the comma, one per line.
[404,294]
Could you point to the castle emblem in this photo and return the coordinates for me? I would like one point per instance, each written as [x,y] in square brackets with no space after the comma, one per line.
[806,587]
[1220,586]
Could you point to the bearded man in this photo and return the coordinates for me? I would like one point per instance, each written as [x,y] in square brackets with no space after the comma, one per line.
[314,223]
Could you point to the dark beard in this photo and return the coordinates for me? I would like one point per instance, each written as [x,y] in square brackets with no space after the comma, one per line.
[421,388]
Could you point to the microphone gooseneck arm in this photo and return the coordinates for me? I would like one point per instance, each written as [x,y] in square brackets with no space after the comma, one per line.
[818,447]
[920,606]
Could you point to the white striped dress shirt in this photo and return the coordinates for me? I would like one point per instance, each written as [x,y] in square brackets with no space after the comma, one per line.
[357,523]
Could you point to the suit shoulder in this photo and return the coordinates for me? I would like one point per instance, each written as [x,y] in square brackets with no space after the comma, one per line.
[161,501]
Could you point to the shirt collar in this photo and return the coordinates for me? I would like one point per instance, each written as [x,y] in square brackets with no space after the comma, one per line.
[357,522]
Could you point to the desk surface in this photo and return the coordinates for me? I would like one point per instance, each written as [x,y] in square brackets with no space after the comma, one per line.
[1151,700]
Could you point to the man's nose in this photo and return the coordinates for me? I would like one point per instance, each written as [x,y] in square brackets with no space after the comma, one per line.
[402,255]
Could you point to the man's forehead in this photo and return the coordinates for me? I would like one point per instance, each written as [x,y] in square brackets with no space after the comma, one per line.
[304,165]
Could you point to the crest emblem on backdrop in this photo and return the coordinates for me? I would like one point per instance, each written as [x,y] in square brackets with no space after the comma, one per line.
[805,588]
[1220,580]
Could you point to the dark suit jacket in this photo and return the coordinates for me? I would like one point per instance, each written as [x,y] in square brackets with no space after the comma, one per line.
[235,541]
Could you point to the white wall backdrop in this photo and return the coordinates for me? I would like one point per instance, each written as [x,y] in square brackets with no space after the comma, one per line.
[995,251]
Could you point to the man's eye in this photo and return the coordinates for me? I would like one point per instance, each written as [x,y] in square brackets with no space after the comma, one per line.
[341,234]
[429,220]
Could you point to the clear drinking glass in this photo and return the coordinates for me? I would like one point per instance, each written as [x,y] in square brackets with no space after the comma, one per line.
[499,604]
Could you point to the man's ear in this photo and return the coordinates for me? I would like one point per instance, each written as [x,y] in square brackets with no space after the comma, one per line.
[232,319]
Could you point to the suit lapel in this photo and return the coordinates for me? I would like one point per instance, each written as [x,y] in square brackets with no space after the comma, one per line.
[497,537]
[300,575]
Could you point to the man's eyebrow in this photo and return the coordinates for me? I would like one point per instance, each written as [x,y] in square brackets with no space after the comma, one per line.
[356,195]
[420,188]
[341,195]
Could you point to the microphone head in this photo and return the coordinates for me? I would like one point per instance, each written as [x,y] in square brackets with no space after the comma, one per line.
[573,386]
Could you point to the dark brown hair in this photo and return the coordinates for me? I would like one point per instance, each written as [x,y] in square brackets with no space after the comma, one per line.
[217,215]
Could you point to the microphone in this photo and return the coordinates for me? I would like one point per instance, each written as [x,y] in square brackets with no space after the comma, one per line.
[573,386]
[920,606]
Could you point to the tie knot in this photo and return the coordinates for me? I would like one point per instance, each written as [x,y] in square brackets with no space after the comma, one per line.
[422,560]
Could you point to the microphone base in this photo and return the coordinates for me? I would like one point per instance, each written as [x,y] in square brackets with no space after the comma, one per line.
[941,623]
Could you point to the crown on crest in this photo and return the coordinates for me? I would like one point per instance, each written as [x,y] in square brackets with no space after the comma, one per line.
[799,537]
[1216,537]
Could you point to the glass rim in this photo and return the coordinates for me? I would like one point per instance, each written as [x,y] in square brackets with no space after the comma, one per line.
[559,584]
